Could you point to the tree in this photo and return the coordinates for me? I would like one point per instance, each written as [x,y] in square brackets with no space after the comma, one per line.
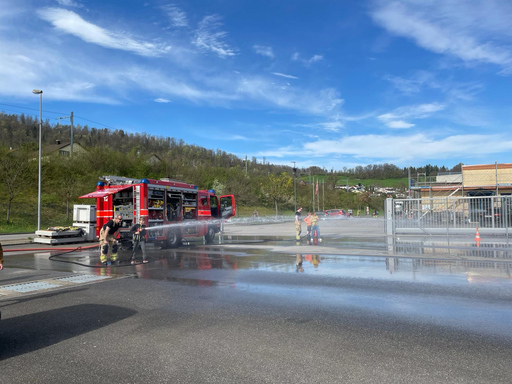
[331,180]
[218,187]
[14,174]
[243,187]
[277,189]
[68,178]
[365,199]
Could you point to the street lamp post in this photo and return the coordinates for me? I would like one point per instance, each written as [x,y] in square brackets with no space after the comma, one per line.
[294,185]
[40,93]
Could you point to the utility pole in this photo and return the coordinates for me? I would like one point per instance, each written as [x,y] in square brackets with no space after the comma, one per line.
[245,165]
[70,117]
[313,194]
[496,165]
[72,129]
[40,93]
[317,196]
[323,195]
[294,185]
[409,195]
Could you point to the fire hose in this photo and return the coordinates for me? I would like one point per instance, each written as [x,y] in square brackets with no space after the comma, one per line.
[65,251]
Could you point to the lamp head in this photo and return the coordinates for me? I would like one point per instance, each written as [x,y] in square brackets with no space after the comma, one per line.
[37,91]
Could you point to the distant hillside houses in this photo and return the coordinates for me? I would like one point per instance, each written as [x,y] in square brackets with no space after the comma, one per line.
[359,188]
[390,191]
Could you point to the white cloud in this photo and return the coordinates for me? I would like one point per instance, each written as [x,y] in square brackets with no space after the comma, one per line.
[307,62]
[404,149]
[284,75]
[177,16]
[333,126]
[236,137]
[395,119]
[263,51]
[424,79]
[72,23]
[208,37]
[60,79]
[315,58]
[84,78]
[69,73]
[399,124]
[70,3]
[407,86]
[162,100]
[323,102]
[477,30]
[226,89]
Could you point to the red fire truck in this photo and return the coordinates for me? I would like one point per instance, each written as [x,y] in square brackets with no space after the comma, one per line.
[172,209]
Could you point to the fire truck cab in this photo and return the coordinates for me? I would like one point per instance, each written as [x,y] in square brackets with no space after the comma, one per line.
[171,209]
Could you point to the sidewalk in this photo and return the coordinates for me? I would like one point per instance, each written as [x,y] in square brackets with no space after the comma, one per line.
[17,238]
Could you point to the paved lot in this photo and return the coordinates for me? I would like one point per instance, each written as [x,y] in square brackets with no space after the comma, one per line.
[244,312]
[257,328]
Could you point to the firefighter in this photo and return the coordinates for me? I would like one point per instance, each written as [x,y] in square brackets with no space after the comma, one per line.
[1,257]
[315,227]
[108,242]
[307,220]
[298,223]
[139,239]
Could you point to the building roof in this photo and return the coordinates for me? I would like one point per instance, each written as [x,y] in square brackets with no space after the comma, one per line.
[486,166]
[47,149]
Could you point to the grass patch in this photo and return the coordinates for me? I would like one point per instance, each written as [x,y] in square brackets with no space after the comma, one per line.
[23,217]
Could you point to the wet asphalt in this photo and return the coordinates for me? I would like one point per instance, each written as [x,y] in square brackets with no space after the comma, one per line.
[349,309]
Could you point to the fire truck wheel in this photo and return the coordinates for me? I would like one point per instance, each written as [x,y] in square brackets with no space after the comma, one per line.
[210,235]
[173,239]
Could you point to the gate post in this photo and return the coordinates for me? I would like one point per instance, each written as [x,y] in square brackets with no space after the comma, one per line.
[389,217]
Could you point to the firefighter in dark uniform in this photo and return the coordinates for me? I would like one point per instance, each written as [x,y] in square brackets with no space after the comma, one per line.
[139,239]
[108,242]
[298,228]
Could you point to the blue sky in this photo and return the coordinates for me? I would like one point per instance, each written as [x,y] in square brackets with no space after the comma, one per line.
[328,83]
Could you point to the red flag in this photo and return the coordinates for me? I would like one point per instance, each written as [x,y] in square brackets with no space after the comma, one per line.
[316,190]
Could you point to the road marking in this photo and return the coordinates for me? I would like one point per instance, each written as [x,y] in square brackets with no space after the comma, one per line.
[49,284]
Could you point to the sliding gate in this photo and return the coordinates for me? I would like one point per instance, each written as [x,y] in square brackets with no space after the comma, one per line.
[449,215]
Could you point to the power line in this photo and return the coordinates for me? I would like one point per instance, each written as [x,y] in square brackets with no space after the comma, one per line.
[58,113]
[95,122]
[28,114]
[32,109]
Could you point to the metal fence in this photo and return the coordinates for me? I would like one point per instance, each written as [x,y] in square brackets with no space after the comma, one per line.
[445,215]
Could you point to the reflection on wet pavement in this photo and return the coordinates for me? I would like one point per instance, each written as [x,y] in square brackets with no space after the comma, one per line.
[433,289]
[199,262]
[499,248]
[502,250]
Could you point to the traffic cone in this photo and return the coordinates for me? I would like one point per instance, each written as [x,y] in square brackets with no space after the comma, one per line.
[477,238]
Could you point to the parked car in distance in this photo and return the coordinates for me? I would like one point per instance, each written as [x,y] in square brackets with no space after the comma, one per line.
[339,213]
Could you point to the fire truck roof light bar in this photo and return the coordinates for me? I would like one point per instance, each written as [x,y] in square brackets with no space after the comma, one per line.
[120,180]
